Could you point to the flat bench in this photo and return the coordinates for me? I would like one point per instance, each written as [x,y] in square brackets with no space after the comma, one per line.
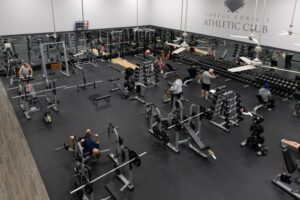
[95,98]
[104,97]
[115,192]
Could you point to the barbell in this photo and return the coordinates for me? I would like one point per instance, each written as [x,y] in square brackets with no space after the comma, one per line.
[185,120]
[109,172]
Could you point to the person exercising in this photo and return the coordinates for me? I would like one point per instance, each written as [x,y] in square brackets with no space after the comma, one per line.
[87,142]
[266,95]
[160,64]
[206,80]
[25,72]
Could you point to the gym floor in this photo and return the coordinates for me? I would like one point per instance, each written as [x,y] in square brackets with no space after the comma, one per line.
[238,173]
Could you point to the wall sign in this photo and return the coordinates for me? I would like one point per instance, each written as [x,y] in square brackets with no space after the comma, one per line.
[234,5]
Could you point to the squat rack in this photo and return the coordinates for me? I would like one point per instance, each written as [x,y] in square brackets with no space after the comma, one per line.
[65,72]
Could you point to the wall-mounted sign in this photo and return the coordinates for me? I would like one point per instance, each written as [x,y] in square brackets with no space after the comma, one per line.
[81,25]
[234,5]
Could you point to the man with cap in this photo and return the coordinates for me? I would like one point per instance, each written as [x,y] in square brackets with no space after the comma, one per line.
[266,95]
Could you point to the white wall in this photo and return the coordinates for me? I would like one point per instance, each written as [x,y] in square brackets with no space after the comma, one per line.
[35,16]
[116,13]
[165,13]
[66,12]
[25,16]
[278,12]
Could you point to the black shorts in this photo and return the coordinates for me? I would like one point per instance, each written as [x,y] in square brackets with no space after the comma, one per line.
[205,87]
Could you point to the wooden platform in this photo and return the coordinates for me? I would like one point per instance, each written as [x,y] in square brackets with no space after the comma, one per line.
[20,178]
[123,63]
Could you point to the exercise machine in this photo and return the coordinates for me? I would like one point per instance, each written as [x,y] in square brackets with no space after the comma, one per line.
[187,128]
[60,49]
[288,180]
[123,158]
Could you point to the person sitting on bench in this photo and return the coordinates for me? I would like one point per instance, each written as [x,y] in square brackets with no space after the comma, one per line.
[25,72]
[266,95]
[87,142]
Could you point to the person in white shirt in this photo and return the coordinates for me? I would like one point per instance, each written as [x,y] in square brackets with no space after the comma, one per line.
[7,46]
[176,89]
[205,77]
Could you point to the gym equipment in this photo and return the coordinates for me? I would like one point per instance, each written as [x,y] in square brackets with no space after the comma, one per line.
[51,98]
[29,100]
[12,69]
[288,180]
[192,76]
[124,63]
[97,97]
[144,39]
[297,110]
[170,72]
[121,156]
[146,74]
[190,126]
[82,170]
[118,87]
[256,140]
[133,160]
[59,47]
[226,110]
[279,85]
[115,42]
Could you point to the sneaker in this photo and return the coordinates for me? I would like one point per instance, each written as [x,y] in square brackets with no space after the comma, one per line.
[206,98]
[244,143]
[259,153]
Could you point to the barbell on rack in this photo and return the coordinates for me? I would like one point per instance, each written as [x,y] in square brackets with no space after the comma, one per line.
[177,122]
[134,159]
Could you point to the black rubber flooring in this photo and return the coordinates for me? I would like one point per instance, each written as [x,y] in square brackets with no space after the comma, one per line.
[237,173]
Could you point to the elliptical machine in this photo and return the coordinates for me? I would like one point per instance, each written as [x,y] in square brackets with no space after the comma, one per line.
[256,140]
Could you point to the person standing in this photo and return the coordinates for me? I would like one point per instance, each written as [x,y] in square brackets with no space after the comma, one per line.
[206,80]
[176,90]
[274,58]
[288,60]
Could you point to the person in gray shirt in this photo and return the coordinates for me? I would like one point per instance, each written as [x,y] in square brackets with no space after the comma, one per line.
[206,77]
[266,95]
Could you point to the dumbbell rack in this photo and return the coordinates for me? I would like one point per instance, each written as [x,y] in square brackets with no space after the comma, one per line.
[279,85]
[146,74]
[225,111]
